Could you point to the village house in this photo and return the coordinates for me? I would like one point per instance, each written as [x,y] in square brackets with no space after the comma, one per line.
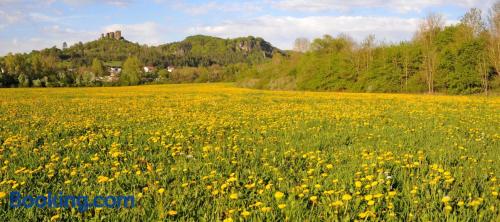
[170,69]
[115,70]
[149,69]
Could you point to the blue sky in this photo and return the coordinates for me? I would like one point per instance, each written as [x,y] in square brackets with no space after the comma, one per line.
[29,24]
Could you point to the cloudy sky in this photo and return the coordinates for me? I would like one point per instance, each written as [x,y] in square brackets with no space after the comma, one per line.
[31,24]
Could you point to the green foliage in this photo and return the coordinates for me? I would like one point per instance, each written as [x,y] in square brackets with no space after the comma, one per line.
[132,72]
[24,80]
[97,67]
[163,73]
[196,53]
[340,64]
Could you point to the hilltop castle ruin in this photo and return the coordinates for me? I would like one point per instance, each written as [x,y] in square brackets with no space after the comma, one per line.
[112,35]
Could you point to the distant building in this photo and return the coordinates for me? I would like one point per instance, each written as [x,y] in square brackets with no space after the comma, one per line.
[112,35]
[115,70]
[170,69]
[148,69]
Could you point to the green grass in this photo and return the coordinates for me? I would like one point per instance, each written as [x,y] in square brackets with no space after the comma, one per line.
[201,143]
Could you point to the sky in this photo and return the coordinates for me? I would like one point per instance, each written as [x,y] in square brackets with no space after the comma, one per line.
[27,25]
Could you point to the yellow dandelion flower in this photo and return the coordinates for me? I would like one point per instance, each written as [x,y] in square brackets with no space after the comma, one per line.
[233,196]
[346,197]
[278,195]
[446,199]
[245,213]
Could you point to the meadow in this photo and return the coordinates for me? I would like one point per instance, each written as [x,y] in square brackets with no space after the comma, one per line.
[214,152]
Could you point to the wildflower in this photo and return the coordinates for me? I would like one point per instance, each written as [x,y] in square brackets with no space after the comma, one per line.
[278,195]
[346,197]
[102,179]
[281,206]
[337,203]
[172,212]
[233,196]
[55,217]
[265,209]
[358,184]
[245,213]
[368,197]
[392,193]
[313,198]
[446,199]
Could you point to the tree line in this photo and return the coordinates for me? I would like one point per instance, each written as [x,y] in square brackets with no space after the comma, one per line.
[463,58]
[196,59]
[457,59]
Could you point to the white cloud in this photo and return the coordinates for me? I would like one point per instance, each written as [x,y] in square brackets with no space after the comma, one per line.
[398,5]
[121,3]
[210,6]
[48,36]
[282,31]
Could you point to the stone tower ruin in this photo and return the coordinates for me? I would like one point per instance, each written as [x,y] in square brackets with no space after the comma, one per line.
[112,35]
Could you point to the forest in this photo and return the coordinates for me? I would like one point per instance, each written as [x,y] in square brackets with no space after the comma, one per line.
[196,59]
[462,58]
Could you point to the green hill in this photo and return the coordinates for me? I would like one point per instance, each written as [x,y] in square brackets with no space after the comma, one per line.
[206,50]
[194,51]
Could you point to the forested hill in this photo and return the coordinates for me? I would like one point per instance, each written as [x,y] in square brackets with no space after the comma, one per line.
[196,59]
[194,51]
[205,50]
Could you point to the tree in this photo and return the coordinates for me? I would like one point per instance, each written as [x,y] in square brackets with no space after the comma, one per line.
[473,19]
[64,46]
[163,74]
[302,45]
[132,72]
[494,37]
[24,80]
[428,29]
[367,47]
[97,67]
[88,78]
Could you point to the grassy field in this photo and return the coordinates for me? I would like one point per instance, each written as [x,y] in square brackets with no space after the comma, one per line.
[213,152]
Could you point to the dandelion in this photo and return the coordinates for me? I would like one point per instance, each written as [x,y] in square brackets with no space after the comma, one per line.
[55,217]
[346,197]
[278,195]
[358,184]
[265,209]
[233,196]
[446,199]
[245,213]
[392,193]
